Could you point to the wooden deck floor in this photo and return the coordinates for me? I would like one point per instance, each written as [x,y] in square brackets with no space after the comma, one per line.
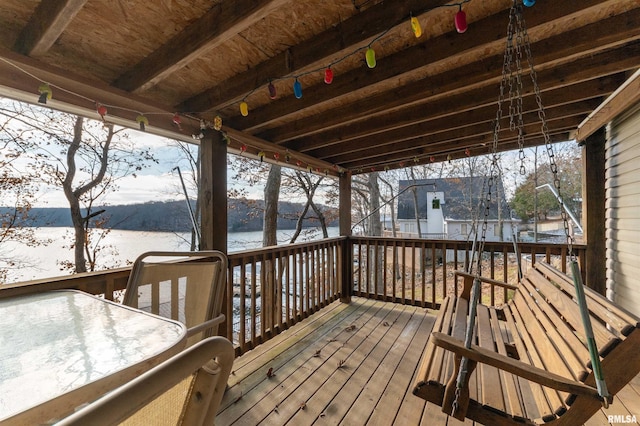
[350,365]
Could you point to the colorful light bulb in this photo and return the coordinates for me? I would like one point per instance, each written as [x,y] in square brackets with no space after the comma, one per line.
[177,120]
[297,89]
[142,122]
[370,56]
[101,109]
[529,3]
[244,108]
[272,91]
[461,21]
[415,27]
[217,123]
[45,93]
[328,75]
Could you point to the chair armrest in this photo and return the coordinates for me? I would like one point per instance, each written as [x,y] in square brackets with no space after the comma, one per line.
[205,325]
[468,282]
[511,365]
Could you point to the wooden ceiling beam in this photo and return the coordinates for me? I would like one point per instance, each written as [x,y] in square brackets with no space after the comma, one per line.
[47,23]
[17,81]
[421,148]
[557,117]
[355,30]
[486,36]
[262,145]
[600,65]
[461,110]
[225,20]
[626,96]
[445,153]
[420,93]
[406,137]
[506,145]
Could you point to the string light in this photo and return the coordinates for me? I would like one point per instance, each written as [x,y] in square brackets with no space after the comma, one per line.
[101,110]
[461,21]
[297,89]
[328,75]
[272,91]
[177,121]
[370,56]
[415,26]
[45,93]
[142,122]
[217,123]
[244,108]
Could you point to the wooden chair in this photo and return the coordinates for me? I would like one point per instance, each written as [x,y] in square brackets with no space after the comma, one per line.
[185,286]
[529,362]
[184,390]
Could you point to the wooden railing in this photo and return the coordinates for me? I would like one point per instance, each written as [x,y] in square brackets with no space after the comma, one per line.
[275,287]
[421,272]
[270,289]
[109,283]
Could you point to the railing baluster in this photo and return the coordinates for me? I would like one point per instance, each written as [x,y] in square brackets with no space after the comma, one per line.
[243,305]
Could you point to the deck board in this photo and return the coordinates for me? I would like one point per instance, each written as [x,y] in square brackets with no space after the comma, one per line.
[350,364]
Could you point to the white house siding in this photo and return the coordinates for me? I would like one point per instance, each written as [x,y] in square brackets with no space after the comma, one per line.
[622,183]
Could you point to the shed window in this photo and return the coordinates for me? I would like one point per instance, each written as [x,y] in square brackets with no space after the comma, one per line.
[435,204]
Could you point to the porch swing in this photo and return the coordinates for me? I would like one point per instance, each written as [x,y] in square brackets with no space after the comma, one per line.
[542,357]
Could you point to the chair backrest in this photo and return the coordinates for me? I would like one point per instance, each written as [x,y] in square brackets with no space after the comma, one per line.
[184,390]
[184,286]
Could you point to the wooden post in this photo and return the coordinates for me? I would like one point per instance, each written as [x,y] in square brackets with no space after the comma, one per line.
[593,210]
[213,209]
[213,192]
[346,258]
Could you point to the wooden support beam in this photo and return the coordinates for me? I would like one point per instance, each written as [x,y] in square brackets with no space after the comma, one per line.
[223,21]
[255,142]
[346,258]
[47,23]
[488,33]
[213,192]
[593,210]
[626,96]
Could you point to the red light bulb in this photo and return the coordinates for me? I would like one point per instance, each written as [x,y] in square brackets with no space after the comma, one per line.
[461,21]
[328,76]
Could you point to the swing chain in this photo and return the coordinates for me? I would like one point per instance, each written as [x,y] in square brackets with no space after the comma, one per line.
[454,404]
[514,111]
[553,165]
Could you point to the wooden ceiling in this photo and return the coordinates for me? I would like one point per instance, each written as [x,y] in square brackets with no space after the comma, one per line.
[427,99]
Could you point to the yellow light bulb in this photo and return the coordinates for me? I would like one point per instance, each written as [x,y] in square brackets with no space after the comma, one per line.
[244,109]
[415,26]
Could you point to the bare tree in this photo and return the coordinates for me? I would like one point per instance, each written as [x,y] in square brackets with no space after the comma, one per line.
[271,196]
[85,158]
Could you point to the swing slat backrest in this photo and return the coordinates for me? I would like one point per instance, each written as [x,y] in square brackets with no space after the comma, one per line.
[540,330]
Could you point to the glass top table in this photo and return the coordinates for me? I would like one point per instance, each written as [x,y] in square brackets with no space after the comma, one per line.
[61,349]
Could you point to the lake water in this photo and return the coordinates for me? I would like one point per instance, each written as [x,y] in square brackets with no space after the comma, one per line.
[41,262]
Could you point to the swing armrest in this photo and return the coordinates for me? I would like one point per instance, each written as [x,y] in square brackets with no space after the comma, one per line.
[468,282]
[521,369]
